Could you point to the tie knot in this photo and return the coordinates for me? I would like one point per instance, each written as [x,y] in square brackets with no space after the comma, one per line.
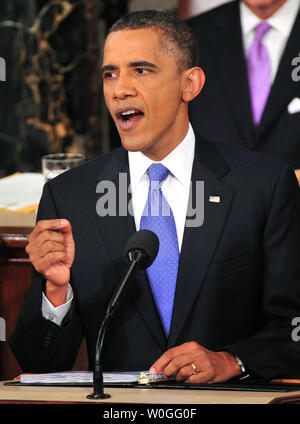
[158,172]
[261,29]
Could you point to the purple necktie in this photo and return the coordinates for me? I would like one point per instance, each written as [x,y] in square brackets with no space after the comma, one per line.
[158,217]
[259,72]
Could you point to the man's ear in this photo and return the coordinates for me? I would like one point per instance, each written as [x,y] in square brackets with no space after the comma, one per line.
[194,79]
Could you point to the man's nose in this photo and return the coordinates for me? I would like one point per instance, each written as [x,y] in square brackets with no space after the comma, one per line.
[124,87]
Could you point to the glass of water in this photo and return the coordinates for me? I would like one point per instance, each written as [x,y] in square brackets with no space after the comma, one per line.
[57,163]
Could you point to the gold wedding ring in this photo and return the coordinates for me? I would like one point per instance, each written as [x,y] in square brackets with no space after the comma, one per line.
[195,371]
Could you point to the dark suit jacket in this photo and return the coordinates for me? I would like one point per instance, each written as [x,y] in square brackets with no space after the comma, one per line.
[238,280]
[222,111]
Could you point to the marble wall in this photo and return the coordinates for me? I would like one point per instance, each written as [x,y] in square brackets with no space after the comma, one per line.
[51,99]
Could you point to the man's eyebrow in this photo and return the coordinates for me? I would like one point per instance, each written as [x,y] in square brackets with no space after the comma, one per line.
[142,63]
[108,68]
[131,64]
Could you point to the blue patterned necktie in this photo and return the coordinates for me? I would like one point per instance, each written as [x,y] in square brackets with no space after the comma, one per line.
[158,217]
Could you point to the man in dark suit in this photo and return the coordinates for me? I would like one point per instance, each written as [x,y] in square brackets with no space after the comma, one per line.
[236,274]
[228,37]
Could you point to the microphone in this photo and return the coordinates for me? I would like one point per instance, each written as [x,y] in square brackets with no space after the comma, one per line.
[144,242]
[140,252]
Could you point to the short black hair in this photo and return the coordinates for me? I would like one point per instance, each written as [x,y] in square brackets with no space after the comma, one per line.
[177,38]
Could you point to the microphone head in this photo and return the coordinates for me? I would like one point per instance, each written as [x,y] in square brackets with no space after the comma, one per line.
[146,242]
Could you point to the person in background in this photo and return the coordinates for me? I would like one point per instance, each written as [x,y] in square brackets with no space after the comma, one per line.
[247,48]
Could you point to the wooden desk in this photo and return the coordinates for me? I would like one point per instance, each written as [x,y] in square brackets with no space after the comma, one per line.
[31,394]
[15,278]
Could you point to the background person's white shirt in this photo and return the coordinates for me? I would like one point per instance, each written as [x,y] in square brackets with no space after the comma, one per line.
[175,189]
[276,38]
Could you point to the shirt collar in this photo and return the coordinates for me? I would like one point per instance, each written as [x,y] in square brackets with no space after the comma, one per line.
[282,20]
[179,161]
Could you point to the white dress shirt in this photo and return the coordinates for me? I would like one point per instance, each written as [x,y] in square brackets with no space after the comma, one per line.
[56,314]
[276,38]
[175,188]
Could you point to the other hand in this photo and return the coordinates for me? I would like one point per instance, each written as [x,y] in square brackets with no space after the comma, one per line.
[209,366]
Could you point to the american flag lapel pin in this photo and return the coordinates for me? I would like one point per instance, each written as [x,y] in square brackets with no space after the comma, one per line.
[215,199]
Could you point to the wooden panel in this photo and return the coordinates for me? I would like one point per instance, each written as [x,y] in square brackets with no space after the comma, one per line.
[15,277]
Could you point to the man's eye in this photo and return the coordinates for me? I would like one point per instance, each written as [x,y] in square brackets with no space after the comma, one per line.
[141,71]
[108,75]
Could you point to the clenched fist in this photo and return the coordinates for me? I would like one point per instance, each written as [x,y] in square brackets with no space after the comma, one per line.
[52,254]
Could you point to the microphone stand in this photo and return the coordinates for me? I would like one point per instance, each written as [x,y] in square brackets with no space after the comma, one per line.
[135,257]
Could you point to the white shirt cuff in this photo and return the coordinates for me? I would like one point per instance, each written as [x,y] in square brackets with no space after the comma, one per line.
[57,314]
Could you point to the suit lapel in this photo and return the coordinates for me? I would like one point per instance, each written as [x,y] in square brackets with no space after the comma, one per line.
[229,54]
[199,243]
[116,231]
[141,294]
[284,88]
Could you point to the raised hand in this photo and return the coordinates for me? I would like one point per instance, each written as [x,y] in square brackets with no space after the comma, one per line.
[52,254]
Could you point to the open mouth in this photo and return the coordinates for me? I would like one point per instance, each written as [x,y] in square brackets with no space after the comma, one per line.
[129,116]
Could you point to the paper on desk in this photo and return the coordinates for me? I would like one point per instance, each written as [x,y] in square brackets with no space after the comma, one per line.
[21,192]
[80,377]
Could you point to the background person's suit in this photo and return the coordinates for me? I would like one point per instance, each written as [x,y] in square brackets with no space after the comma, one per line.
[238,279]
[222,111]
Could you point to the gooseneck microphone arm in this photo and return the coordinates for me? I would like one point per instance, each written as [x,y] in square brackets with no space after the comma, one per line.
[137,256]
[140,251]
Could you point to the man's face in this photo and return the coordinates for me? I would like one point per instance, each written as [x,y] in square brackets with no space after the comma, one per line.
[264,8]
[143,92]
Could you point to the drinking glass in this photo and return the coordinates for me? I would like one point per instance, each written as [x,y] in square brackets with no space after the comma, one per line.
[57,163]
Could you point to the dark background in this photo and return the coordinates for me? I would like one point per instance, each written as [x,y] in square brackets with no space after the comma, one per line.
[51,100]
